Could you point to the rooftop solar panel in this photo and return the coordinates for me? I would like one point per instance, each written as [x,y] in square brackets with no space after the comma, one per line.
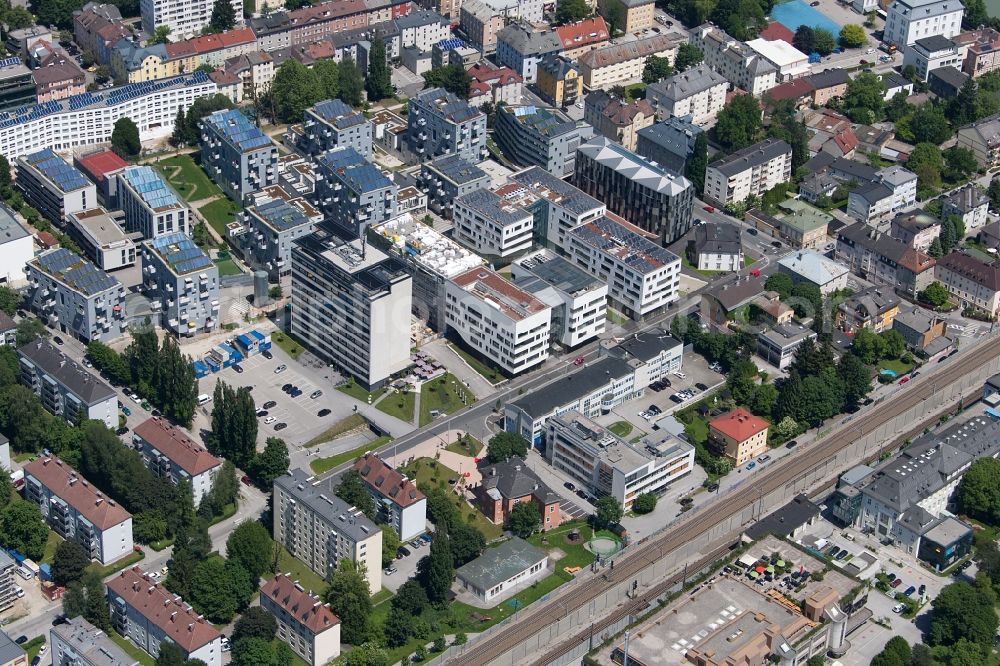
[237,129]
[76,272]
[181,253]
[151,187]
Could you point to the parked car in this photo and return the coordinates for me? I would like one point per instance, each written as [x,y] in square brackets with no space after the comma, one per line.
[709,209]
[226,647]
[922,590]
[246,479]
[752,231]
[569,486]
[295,392]
[910,590]
[281,368]
[792,444]
[763,459]
[121,431]
[579,360]
[904,380]
[126,411]
[269,420]
[842,554]
[751,465]
[776,243]
[280,426]
[267,354]
[56,339]
[899,608]
[261,412]
[315,394]
[323,412]
[701,387]
[896,583]
[712,487]
[20,640]
[238,368]
[389,570]
[404,551]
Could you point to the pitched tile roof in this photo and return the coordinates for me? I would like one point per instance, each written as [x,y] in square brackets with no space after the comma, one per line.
[583,33]
[739,424]
[64,481]
[176,445]
[386,481]
[308,610]
[983,274]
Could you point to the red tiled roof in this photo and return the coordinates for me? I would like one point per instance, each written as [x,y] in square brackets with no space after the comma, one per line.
[304,607]
[386,481]
[983,274]
[739,424]
[174,444]
[46,240]
[56,73]
[794,89]
[916,261]
[163,609]
[583,33]
[223,77]
[63,481]
[775,32]
[846,140]
[623,115]
[98,165]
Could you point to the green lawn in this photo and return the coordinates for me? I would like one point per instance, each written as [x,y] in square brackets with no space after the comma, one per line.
[466,446]
[219,213]
[227,267]
[445,394]
[339,428]
[895,364]
[400,405]
[33,646]
[321,465]
[307,578]
[575,554]
[190,181]
[50,547]
[132,649]
[489,373]
[748,260]
[290,346]
[695,426]
[621,428]
[115,567]
[432,473]
[356,391]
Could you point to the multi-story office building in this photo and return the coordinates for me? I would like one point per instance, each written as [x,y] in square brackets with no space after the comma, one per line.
[534,136]
[320,529]
[778,345]
[649,197]
[8,593]
[738,63]
[495,222]
[698,92]
[17,86]
[75,297]
[448,178]
[739,435]
[748,172]
[333,124]
[182,283]
[605,464]
[77,642]
[149,615]
[305,623]
[16,248]
[65,388]
[643,277]
[579,301]
[909,20]
[364,330]
[170,454]
[930,53]
[88,119]
[77,511]
[439,123]
[399,503]
[54,187]
[497,320]
[151,206]
[559,208]
[272,226]
[99,235]
[351,192]
[185,18]
[236,154]
[432,260]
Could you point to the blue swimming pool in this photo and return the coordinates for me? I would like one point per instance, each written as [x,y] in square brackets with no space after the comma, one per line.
[798,12]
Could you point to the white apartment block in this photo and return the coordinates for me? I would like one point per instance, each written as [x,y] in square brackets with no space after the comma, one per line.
[76,510]
[642,276]
[65,387]
[971,204]
[400,504]
[499,321]
[748,172]
[892,192]
[88,119]
[52,186]
[422,29]
[579,301]
[16,249]
[608,465]
[79,643]
[738,63]
[495,222]
[929,53]
[320,529]
[146,613]
[910,20]
[151,206]
[305,623]
[169,453]
[567,206]
[99,235]
[185,18]
[699,92]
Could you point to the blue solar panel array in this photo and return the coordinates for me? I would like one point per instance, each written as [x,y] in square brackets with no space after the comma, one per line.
[181,253]
[447,44]
[151,186]
[76,272]
[10,62]
[339,114]
[65,176]
[346,165]
[237,130]
[280,215]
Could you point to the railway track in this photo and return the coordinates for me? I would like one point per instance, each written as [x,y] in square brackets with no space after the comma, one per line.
[636,559]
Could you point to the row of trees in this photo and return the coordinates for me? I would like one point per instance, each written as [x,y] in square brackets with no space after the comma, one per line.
[186,123]
[234,435]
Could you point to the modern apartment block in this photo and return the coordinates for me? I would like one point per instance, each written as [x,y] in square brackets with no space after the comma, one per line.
[498,320]
[16,249]
[72,295]
[495,222]
[99,235]
[448,178]
[305,623]
[272,227]
[320,529]
[364,330]
[77,642]
[579,301]
[333,124]
[351,192]
[643,193]
[909,20]
[65,387]
[535,136]
[182,284]
[748,172]
[236,154]
[53,187]
[77,511]
[930,53]
[559,208]
[170,454]
[399,503]
[8,593]
[439,123]
[151,206]
[149,615]
[185,18]
[876,203]
[643,277]
[605,464]
[698,92]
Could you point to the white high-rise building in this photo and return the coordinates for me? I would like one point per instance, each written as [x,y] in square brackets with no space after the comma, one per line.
[185,18]
[910,20]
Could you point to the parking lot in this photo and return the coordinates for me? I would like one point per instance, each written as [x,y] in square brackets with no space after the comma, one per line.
[406,567]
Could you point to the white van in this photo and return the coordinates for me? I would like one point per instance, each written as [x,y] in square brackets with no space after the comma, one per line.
[25,573]
[204,398]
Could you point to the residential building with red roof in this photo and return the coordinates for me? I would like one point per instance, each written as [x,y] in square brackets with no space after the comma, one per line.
[101,168]
[494,85]
[168,452]
[974,282]
[582,36]
[775,31]
[305,623]
[739,435]
[402,506]
[617,120]
[76,510]
[148,614]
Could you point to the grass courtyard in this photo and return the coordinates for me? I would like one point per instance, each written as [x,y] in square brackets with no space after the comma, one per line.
[431,473]
[219,213]
[188,178]
[288,344]
[400,405]
[489,373]
[445,394]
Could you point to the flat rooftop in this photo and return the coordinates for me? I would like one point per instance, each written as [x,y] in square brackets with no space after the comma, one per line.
[555,271]
[152,187]
[63,175]
[279,214]
[607,446]
[180,253]
[499,293]
[74,271]
[238,131]
[428,248]
[99,225]
[615,239]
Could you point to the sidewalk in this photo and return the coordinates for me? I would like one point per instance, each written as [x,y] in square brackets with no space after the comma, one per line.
[442,351]
[435,447]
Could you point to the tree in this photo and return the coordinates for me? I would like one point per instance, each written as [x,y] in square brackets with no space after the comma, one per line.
[505,445]
[161,35]
[852,36]
[979,491]
[805,39]
[169,655]
[452,78]
[644,503]
[69,563]
[739,123]
[960,163]
[349,599]
[29,330]
[927,162]
[223,16]
[961,109]
[894,343]
[328,76]
[609,512]
[57,12]
[5,178]
[898,106]
[688,55]
[440,508]
[436,571]
[925,125]
[656,69]
[935,250]
[390,544]
[571,11]
[780,283]
[10,299]
[270,463]
[696,165]
[125,138]
[22,529]
[895,653]
[366,654]
[865,91]
[211,592]
[351,83]
[467,543]
[294,89]
[525,519]
[763,399]
[825,42]
[379,81]
[742,19]
[86,597]
[175,388]
[962,611]
[856,379]
[6,490]
[253,652]
[410,598]
[251,546]
[935,294]
[255,623]
[353,490]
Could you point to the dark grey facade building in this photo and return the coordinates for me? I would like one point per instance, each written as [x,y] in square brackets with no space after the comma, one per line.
[439,123]
[535,136]
[448,178]
[236,154]
[669,143]
[351,192]
[333,124]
